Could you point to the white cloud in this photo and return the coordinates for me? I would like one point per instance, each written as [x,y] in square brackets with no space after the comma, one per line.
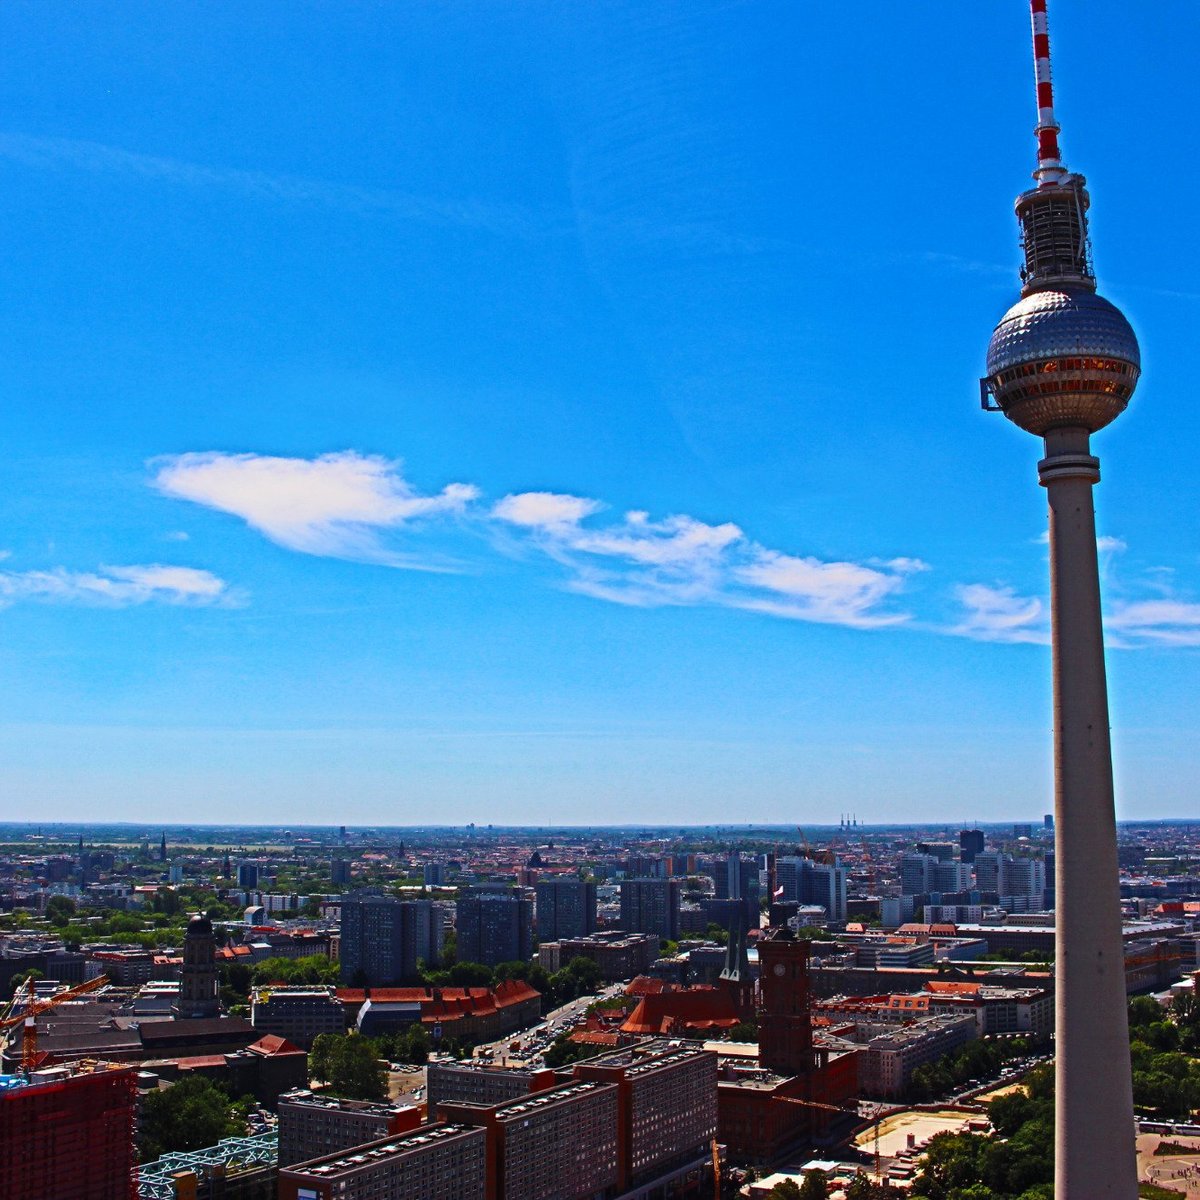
[335,505]
[117,587]
[998,614]
[1158,622]
[842,593]
[544,510]
[681,560]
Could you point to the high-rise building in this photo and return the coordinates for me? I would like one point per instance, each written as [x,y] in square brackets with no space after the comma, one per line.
[339,872]
[734,877]
[1026,877]
[942,851]
[806,882]
[433,874]
[666,1111]
[70,1137]
[494,926]
[566,908]
[784,1021]
[198,985]
[824,884]
[651,906]
[916,874]
[560,1144]
[383,938]
[952,877]
[1063,363]
[970,843]
[991,875]
[247,874]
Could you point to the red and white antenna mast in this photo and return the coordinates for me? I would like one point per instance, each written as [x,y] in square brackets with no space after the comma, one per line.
[1050,168]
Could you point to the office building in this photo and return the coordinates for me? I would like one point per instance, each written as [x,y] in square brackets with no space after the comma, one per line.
[970,843]
[383,938]
[560,1144]
[891,1057]
[494,926]
[473,1081]
[432,1162]
[916,874]
[313,1126]
[666,1111]
[952,877]
[651,906]
[618,955]
[299,1014]
[566,908]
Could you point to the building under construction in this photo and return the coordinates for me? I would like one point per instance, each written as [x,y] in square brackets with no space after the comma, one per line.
[68,1135]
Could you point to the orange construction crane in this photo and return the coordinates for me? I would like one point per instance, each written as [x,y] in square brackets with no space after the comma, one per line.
[29,1016]
[828,857]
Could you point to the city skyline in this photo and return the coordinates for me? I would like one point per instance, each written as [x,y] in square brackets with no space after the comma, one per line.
[396,448]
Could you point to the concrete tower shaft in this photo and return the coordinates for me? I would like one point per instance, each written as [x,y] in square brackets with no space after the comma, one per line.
[1063,363]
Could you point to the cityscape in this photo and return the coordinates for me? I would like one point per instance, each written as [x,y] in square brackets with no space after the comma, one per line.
[436,829]
[490,1012]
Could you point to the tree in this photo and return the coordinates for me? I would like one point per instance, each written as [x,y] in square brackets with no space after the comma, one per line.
[814,1187]
[59,910]
[786,1189]
[352,1067]
[188,1115]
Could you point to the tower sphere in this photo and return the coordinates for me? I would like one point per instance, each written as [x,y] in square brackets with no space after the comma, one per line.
[1063,357]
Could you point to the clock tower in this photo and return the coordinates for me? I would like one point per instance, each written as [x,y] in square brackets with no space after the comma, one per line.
[784,1024]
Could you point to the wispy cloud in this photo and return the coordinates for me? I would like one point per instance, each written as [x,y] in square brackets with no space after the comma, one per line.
[1156,622]
[335,505]
[680,560]
[98,158]
[998,614]
[116,587]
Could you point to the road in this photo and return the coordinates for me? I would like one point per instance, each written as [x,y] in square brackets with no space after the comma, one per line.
[537,1037]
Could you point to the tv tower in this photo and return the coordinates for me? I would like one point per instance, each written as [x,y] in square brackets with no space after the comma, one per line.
[1063,363]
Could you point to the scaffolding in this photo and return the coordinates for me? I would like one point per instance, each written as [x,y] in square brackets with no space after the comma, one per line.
[212,1171]
[69,1136]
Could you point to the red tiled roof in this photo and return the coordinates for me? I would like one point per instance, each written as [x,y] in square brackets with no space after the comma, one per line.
[270,1045]
[695,1008]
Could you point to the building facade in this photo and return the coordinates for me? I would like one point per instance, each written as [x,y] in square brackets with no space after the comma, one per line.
[383,938]
[566,908]
[494,927]
[651,906]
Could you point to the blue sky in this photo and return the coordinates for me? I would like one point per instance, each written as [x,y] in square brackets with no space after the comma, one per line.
[540,412]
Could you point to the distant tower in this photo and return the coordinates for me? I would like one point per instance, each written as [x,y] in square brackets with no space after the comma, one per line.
[1063,363]
[162,848]
[198,982]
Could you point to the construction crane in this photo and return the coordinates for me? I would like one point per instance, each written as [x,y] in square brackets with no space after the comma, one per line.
[844,1111]
[29,1016]
[827,857]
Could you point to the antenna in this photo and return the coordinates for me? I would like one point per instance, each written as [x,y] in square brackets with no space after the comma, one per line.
[1050,168]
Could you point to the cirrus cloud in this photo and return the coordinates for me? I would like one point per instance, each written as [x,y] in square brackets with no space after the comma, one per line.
[116,587]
